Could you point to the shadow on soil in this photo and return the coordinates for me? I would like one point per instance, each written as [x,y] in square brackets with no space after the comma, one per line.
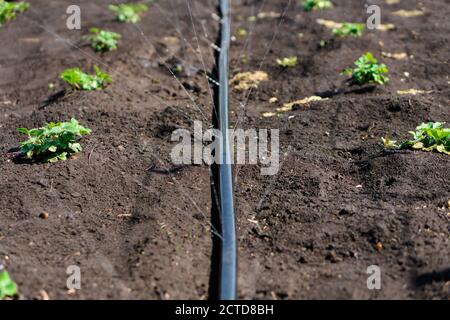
[430,277]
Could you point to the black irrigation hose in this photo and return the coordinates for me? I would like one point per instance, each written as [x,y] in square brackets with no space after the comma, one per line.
[222,172]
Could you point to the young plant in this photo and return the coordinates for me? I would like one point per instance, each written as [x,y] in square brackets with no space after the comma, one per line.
[129,12]
[177,68]
[102,40]
[388,143]
[54,142]
[288,62]
[83,81]
[427,137]
[309,5]
[8,288]
[367,71]
[9,10]
[349,29]
[241,32]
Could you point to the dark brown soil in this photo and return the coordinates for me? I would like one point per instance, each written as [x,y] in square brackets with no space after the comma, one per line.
[311,231]
[138,226]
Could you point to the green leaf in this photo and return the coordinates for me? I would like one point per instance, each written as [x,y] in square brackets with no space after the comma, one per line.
[429,137]
[54,142]
[288,62]
[102,40]
[368,70]
[309,5]
[9,10]
[440,148]
[349,29]
[129,12]
[23,130]
[8,288]
[75,147]
[80,80]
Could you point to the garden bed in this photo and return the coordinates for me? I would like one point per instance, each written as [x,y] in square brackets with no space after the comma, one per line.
[139,226]
[136,225]
[340,202]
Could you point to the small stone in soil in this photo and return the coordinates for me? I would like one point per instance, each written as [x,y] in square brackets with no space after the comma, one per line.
[332,257]
[71,291]
[43,295]
[379,246]
[44,215]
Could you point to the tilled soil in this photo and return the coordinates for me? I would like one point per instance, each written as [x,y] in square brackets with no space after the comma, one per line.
[139,226]
[136,225]
[340,203]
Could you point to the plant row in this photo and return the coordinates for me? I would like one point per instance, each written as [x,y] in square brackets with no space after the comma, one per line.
[427,136]
[57,141]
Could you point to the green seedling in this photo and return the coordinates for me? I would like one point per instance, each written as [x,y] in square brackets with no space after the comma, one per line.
[177,68]
[309,5]
[129,12]
[427,137]
[83,81]
[349,29]
[8,288]
[368,71]
[241,32]
[102,40]
[388,143]
[54,142]
[288,62]
[9,10]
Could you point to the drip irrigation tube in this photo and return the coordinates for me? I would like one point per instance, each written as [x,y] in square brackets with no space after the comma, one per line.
[225,208]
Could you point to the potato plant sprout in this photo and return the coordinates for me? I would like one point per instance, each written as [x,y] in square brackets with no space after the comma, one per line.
[129,12]
[309,5]
[9,10]
[349,29]
[102,40]
[368,70]
[8,288]
[287,62]
[53,142]
[83,81]
[427,137]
